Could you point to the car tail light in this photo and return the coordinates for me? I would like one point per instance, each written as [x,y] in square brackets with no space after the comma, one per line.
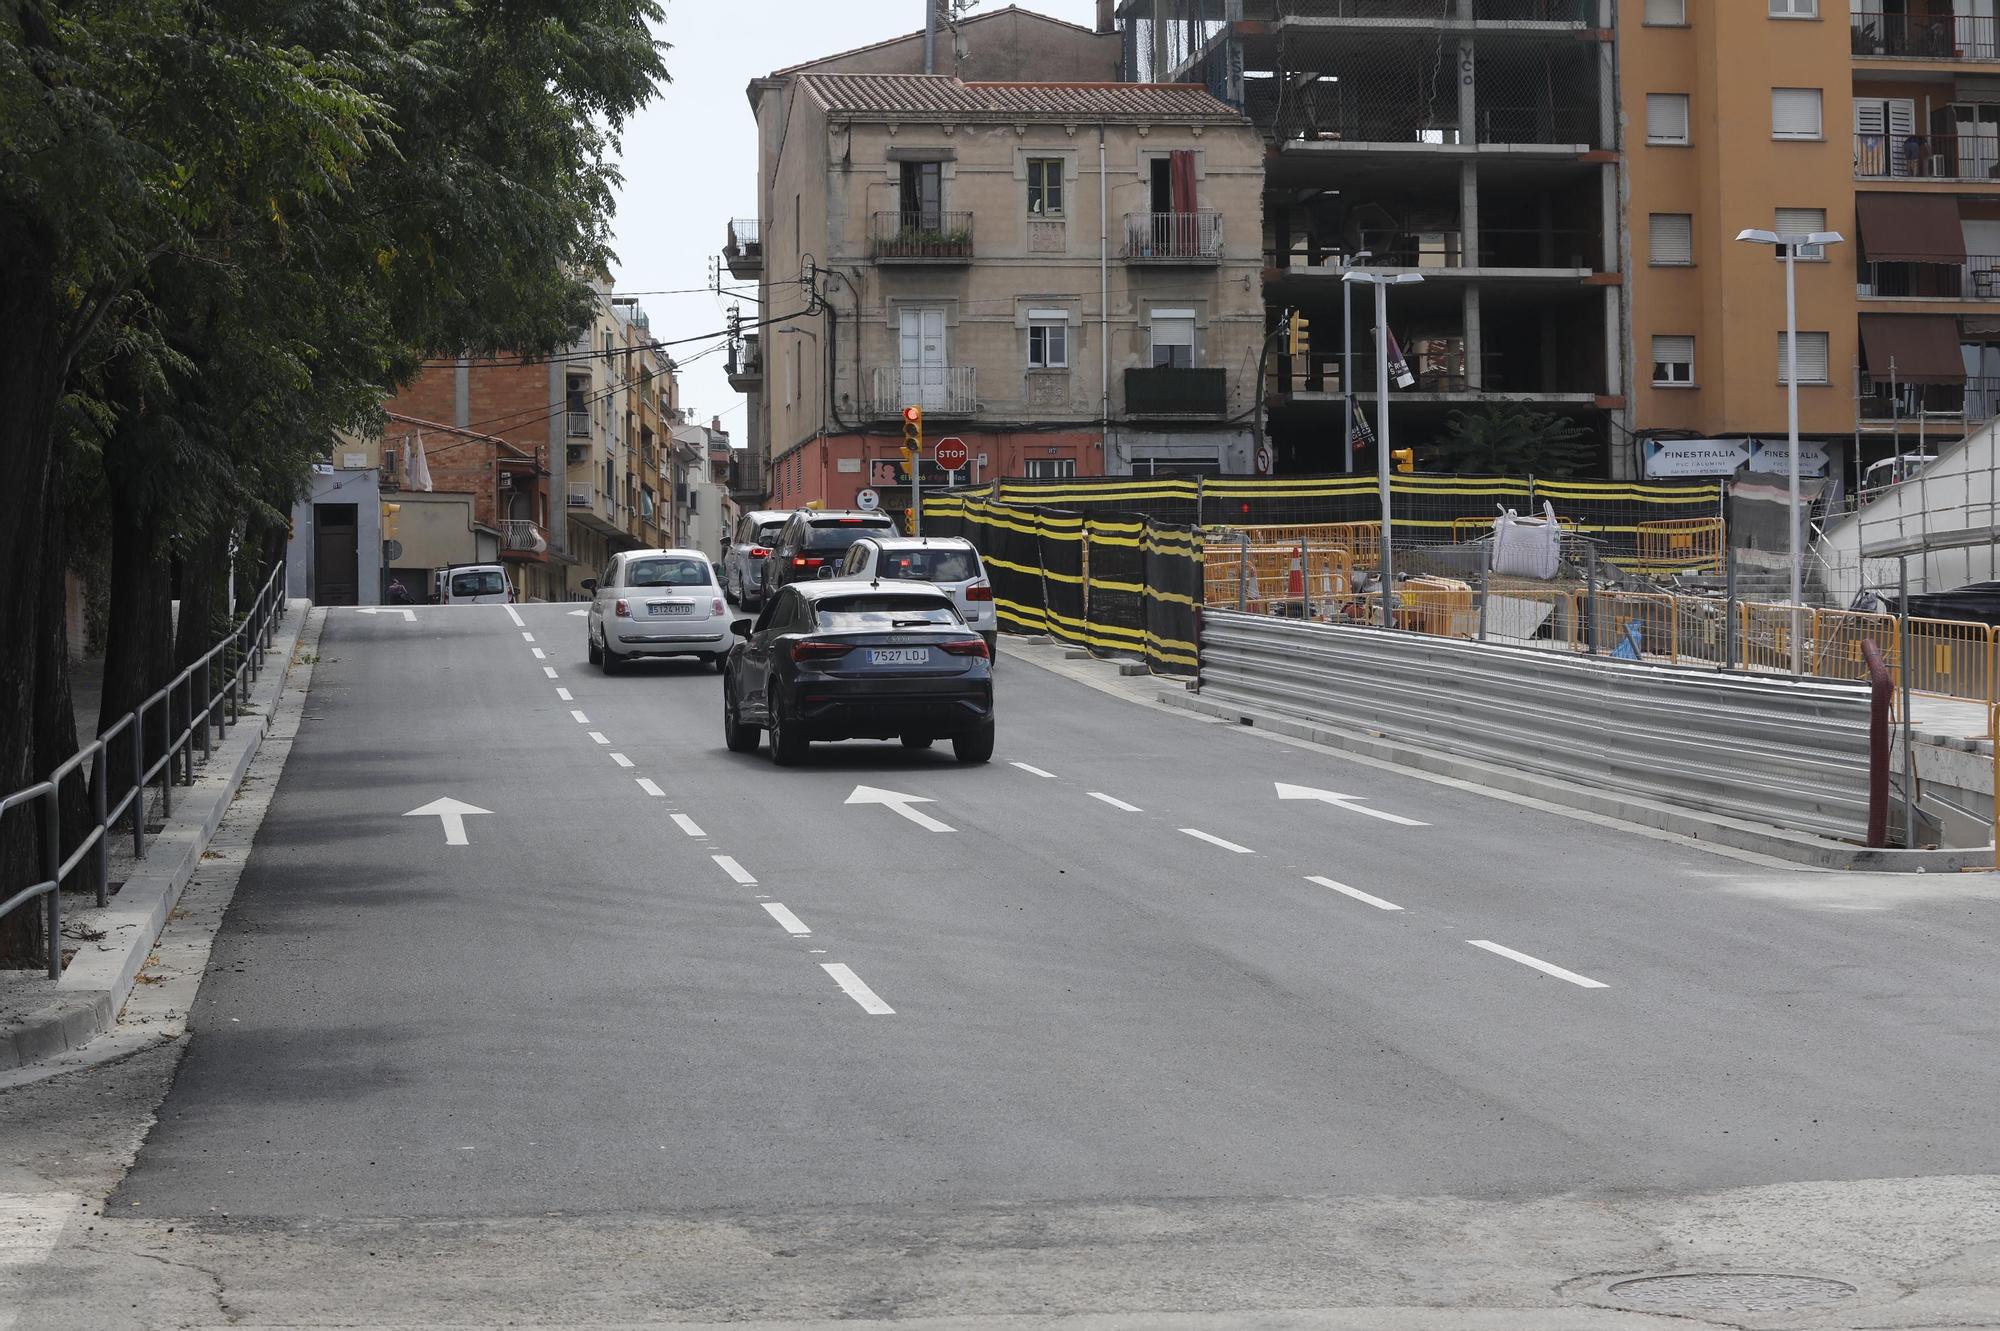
[801,561]
[822,651]
[979,591]
[759,552]
[965,647]
[624,610]
[715,607]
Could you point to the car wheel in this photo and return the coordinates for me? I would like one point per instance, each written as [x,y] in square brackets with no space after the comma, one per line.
[612,662]
[917,741]
[721,662]
[974,747]
[788,746]
[592,650]
[739,737]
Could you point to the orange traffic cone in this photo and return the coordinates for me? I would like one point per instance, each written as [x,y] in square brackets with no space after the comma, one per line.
[1295,584]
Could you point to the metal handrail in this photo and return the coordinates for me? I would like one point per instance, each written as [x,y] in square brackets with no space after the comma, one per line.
[174,764]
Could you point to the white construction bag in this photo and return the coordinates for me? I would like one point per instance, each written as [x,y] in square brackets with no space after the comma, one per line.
[1527,547]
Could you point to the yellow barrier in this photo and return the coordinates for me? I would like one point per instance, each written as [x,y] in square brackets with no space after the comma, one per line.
[1362,540]
[1685,543]
[1441,607]
[1326,571]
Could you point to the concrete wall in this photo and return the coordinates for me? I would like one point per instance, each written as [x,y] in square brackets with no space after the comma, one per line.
[362,489]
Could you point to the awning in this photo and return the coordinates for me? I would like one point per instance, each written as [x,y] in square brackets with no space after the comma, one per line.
[1923,348]
[1910,228]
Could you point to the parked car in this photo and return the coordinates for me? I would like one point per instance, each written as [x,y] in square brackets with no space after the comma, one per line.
[844,660]
[949,563]
[472,584]
[746,552]
[816,539]
[656,603]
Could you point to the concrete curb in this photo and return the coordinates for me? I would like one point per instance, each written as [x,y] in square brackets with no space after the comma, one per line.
[96,983]
[1714,829]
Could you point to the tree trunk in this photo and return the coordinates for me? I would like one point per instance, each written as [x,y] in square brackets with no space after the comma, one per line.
[138,647]
[55,709]
[204,612]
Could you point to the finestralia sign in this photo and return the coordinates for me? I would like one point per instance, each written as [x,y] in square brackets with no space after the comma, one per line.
[1696,457]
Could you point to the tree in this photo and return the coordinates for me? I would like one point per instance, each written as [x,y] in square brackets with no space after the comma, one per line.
[1511,439]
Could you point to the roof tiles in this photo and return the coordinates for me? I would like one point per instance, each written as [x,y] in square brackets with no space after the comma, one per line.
[890,94]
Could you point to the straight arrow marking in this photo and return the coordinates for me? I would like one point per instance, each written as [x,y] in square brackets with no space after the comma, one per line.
[1351,803]
[409,615]
[899,803]
[452,814]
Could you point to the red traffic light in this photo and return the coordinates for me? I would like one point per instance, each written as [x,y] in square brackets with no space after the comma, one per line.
[913,415]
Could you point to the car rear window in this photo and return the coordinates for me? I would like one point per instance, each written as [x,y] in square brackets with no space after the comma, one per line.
[885,612]
[841,533]
[667,573]
[478,582]
[768,531]
[928,565]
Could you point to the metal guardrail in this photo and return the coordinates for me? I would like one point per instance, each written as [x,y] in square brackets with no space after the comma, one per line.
[241,653]
[1792,754]
[1187,237]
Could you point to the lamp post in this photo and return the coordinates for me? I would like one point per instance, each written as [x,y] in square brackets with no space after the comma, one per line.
[1382,282]
[1347,354]
[1788,246]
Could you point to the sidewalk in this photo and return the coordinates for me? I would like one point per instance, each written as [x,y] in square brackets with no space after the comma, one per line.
[106,947]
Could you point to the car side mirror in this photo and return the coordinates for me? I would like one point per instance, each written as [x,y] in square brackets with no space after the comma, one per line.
[590,585]
[741,628]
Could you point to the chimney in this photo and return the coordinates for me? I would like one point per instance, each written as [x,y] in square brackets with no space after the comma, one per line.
[1106,21]
[715,424]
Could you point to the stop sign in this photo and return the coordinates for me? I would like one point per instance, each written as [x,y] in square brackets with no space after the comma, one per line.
[951,453]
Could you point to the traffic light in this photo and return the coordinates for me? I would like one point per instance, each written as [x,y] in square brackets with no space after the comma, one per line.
[1403,459]
[1298,335]
[389,512]
[913,441]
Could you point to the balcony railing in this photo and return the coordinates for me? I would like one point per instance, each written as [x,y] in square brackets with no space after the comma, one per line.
[582,496]
[1421,12]
[1881,404]
[746,363]
[578,424]
[1927,156]
[1173,237]
[941,390]
[1977,279]
[1166,391]
[743,250]
[922,237]
[521,534]
[1924,36]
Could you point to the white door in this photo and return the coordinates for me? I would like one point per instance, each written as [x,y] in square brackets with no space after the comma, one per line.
[1975,36]
[923,359]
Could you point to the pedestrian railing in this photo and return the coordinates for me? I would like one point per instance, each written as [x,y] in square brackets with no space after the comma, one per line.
[210,694]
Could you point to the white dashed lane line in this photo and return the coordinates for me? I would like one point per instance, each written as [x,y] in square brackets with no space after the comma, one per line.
[1354,892]
[1115,803]
[851,985]
[729,866]
[688,825]
[550,671]
[527,636]
[651,788]
[597,736]
[621,760]
[1212,840]
[540,655]
[515,615]
[1581,981]
[794,926]
[565,695]
[581,719]
[1032,770]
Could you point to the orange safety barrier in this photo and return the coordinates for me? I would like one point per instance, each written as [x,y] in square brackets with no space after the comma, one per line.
[1684,543]
[1441,607]
[1265,578]
[1362,540]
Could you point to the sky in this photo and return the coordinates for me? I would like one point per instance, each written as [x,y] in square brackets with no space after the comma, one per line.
[690,157]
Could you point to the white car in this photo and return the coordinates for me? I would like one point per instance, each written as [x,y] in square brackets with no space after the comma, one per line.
[656,603]
[949,563]
[747,550]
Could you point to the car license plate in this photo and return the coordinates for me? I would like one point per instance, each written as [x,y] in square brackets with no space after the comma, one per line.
[670,607]
[899,656]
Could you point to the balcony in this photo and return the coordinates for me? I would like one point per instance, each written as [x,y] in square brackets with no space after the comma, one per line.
[743,251]
[577,424]
[1885,406]
[1173,237]
[1978,279]
[921,237]
[941,390]
[746,365]
[519,535]
[1169,391]
[1881,36]
[582,496]
[1927,156]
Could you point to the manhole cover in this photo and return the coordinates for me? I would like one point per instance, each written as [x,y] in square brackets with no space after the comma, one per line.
[1738,1291]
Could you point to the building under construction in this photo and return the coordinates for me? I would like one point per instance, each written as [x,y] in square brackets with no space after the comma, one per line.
[1470,142]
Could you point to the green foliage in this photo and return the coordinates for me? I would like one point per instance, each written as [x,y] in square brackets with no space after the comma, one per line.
[1511,439]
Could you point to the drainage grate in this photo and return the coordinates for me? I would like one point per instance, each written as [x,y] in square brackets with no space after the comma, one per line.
[1731,1291]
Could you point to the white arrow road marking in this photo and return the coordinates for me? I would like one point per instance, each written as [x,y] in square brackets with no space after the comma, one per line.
[452,813]
[852,986]
[1033,771]
[794,926]
[1218,841]
[409,615]
[1348,802]
[735,870]
[900,803]
[579,614]
[515,615]
[1583,981]
[1115,803]
[1354,892]
[688,825]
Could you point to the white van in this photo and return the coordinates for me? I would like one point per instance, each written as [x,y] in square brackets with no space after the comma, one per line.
[472,584]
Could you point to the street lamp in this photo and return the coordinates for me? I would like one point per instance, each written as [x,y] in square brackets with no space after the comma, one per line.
[1382,282]
[1788,247]
[1347,353]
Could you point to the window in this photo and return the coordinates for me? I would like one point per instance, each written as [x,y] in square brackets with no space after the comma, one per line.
[1666,117]
[1795,113]
[1045,186]
[1667,13]
[922,195]
[1795,8]
[1173,339]
[1051,469]
[1812,358]
[1670,239]
[1048,340]
[1802,222]
[1673,361]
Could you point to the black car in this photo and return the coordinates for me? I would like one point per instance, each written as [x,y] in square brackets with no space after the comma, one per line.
[858,660]
[813,541]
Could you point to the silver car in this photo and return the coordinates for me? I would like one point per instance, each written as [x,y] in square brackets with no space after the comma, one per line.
[656,603]
[747,552]
[949,563]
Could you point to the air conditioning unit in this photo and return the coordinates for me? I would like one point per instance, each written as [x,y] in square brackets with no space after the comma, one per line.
[577,453]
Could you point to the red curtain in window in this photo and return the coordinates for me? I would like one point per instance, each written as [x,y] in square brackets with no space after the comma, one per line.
[1180,176]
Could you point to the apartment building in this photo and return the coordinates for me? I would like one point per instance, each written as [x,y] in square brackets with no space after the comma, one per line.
[1469,143]
[1876,119]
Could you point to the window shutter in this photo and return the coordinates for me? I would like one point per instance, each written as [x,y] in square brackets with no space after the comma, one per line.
[1667,117]
[1671,13]
[1812,358]
[1679,350]
[1795,113]
[1670,238]
[1803,221]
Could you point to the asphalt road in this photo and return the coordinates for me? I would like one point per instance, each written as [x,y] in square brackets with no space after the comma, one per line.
[1118,977]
